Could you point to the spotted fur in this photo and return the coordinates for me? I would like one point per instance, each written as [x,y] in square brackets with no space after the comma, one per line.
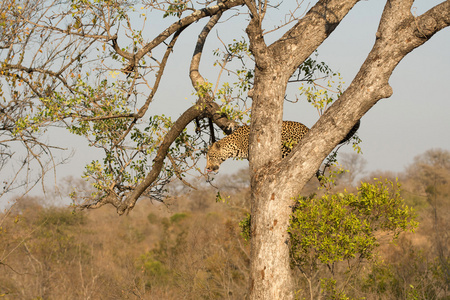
[235,145]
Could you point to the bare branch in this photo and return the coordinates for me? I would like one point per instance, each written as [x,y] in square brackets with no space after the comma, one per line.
[143,109]
[310,31]
[184,22]
[194,73]
[178,172]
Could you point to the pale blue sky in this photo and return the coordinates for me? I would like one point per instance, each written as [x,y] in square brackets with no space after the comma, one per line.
[415,119]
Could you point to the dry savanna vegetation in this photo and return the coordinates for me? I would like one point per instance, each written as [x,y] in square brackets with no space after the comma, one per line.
[192,246]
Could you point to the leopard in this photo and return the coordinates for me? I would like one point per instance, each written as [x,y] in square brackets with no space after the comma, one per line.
[236,144]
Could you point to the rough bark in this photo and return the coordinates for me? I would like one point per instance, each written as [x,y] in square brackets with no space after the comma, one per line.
[274,182]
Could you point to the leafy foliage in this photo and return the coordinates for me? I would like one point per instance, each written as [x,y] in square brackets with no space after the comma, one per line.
[321,86]
[346,226]
[245,225]
[232,96]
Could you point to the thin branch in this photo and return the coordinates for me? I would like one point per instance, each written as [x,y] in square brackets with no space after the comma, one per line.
[159,75]
[69,32]
[178,172]
[292,18]
[184,22]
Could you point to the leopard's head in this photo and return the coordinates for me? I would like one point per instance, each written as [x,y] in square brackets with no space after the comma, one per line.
[215,156]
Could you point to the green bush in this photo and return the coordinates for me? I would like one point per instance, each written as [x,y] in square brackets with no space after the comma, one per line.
[342,226]
[152,218]
[175,218]
[327,230]
[60,216]
[155,271]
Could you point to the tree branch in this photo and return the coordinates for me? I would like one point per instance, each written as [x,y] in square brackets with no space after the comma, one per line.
[190,114]
[398,35]
[184,22]
[255,34]
[204,106]
[433,20]
[159,75]
[301,40]
[194,73]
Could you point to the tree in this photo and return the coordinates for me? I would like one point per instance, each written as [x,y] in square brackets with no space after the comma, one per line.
[79,46]
[18,92]
[342,227]
[430,179]
[355,165]
[275,182]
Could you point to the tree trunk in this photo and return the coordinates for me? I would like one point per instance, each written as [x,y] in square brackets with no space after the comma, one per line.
[275,182]
[270,271]
[271,198]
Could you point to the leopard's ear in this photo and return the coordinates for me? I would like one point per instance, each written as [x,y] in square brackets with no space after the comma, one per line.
[216,145]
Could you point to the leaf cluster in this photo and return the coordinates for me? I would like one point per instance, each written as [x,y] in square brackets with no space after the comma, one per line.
[124,168]
[344,226]
[175,8]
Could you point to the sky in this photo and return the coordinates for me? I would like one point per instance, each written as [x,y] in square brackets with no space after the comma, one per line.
[414,119]
[417,116]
